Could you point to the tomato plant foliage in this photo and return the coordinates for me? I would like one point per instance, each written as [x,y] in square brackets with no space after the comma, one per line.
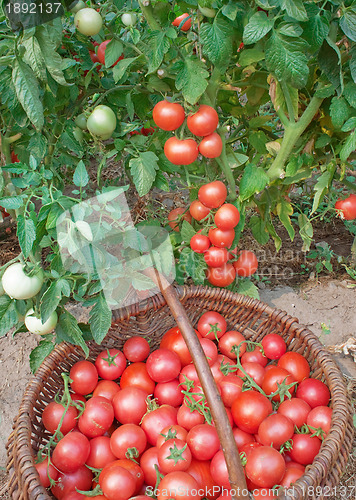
[280,74]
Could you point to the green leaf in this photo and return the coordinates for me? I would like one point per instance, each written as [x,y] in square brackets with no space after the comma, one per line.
[100,319]
[191,78]
[348,23]
[230,10]
[51,58]
[156,47]
[349,125]
[258,26]
[8,314]
[258,228]
[142,282]
[246,287]
[253,181]
[80,177]
[289,29]
[352,63]
[315,30]
[295,9]
[280,99]
[277,240]
[161,182]
[258,141]
[348,147]
[113,51]
[216,39]
[11,202]
[321,187]
[26,233]
[305,231]
[339,111]
[67,329]
[33,57]
[286,58]
[143,171]
[329,59]
[39,354]
[38,145]
[187,232]
[350,94]
[193,265]
[250,56]
[284,211]
[52,297]
[27,91]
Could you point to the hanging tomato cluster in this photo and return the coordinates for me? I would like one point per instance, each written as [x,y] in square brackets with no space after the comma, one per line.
[170,116]
[137,423]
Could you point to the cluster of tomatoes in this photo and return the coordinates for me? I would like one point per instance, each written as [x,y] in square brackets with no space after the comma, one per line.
[137,423]
[170,116]
[347,207]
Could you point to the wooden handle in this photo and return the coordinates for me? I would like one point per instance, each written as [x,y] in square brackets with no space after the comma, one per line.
[221,421]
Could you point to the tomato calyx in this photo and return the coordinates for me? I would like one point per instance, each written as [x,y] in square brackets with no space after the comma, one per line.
[214,328]
[170,434]
[302,430]
[287,446]
[131,454]
[110,359]
[317,431]
[243,458]
[283,390]
[176,454]
[199,405]
[92,493]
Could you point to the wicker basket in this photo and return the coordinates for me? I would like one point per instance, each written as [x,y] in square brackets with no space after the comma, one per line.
[152,319]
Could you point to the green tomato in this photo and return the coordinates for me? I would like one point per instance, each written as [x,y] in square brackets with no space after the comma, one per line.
[78,6]
[129,19]
[88,21]
[102,122]
[78,134]
[206,11]
[35,325]
[81,121]
[18,285]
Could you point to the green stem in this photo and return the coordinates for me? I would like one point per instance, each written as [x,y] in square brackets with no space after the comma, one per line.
[288,100]
[213,87]
[148,14]
[293,131]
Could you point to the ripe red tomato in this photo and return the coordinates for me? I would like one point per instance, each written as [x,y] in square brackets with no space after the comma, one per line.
[67,482]
[136,375]
[117,483]
[200,470]
[265,467]
[168,115]
[216,257]
[106,389]
[213,194]
[187,25]
[274,376]
[149,460]
[100,452]
[203,441]
[181,152]
[188,372]
[187,418]
[230,339]
[84,376]
[275,430]
[199,243]
[249,409]
[163,365]
[242,438]
[254,370]
[93,56]
[174,455]
[290,476]
[171,432]
[132,467]
[296,409]
[175,216]
[14,157]
[97,417]
[211,325]
[305,448]
[44,470]
[231,387]
[227,217]
[71,452]
[254,356]
[211,146]
[125,437]
[155,420]
[218,470]
[147,131]
[136,348]
[320,418]
[203,122]
[198,210]
[178,486]
[130,405]
[274,346]
[169,393]
[101,53]
[174,341]
[110,364]
[221,238]
[314,392]
[295,364]
[246,264]
[347,207]
[52,415]
[221,276]
[210,350]
[262,494]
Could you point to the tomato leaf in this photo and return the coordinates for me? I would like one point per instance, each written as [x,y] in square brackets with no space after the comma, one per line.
[52,297]
[27,91]
[34,58]
[39,354]
[67,329]
[295,9]
[26,233]
[113,51]
[305,231]
[246,287]
[100,319]
[230,10]
[156,47]
[143,171]
[339,111]
[315,31]
[250,56]
[8,314]
[187,231]
[51,57]
[329,59]
[254,180]
[348,23]
[81,177]
[12,202]
[193,265]
[216,39]
[258,228]
[191,78]
[258,26]
[348,147]
[284,211]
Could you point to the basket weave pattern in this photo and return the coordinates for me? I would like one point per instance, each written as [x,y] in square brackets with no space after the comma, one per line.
[152,319]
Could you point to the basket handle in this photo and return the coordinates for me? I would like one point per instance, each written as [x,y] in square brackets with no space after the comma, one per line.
[222,424]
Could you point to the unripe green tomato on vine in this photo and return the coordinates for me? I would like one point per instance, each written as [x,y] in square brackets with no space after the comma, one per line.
[81,121]
[18,285]
[88,21]
[129,19]
[35,325]
[78,6]
[102,122]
